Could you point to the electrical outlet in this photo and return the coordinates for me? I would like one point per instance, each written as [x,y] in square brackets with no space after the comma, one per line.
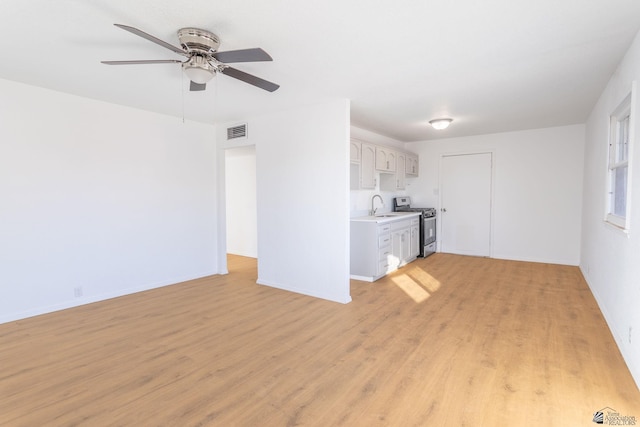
[77,292]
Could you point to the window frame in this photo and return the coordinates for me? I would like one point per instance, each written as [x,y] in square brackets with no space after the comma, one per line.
[624,112]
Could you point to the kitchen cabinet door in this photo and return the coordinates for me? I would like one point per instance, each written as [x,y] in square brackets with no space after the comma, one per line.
[381,158]
[395,181]
[385,159]
[400,171]
[415,241]
[391,161]
[400,247]
[396,249]
[412,165]
[354,151]
[367,166]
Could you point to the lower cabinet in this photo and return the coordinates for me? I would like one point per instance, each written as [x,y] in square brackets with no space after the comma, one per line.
[400,244]
[384,251]
[414,249]
[380,248]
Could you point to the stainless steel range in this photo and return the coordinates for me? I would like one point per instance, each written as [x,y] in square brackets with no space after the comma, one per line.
[427,223]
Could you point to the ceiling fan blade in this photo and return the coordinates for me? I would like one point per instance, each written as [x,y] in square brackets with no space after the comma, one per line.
[251,79]
[242,55]
[143,61]
[151,38]
[194,87]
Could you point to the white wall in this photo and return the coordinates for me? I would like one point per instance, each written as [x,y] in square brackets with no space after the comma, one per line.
[241,202]
[609,256]
[537,189]
[100,197]
[302,165]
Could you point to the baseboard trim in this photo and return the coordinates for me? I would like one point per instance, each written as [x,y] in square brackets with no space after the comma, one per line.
[614,332]
[342,300]
[89,299]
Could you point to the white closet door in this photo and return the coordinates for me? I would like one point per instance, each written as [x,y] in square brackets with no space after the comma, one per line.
[465,209]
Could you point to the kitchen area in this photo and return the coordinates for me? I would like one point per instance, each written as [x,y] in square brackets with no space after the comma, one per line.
[391,232]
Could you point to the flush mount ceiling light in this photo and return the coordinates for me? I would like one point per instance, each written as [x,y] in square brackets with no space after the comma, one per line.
[198,69]
[440,124]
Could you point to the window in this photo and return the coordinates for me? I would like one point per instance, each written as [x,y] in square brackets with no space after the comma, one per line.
[619,143]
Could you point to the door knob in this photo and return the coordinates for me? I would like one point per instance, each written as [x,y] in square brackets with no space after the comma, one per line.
[443,209]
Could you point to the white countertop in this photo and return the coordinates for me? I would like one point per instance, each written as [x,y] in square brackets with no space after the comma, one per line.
[386,217]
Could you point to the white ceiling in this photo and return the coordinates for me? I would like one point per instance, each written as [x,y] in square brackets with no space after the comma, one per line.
[492,65]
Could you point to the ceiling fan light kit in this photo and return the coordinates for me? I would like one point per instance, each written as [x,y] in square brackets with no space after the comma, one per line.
[440,124]
[198,69]
[200,47]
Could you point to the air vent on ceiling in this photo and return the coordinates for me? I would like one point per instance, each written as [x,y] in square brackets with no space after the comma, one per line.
[236,132]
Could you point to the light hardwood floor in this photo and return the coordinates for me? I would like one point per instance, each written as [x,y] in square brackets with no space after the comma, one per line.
[445,341]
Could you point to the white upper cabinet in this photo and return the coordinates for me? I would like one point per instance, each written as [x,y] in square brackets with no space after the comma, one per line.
[395,181]
[354,151]
[369,160]
[412,165]
[385,159]
[400,171]
[367,166]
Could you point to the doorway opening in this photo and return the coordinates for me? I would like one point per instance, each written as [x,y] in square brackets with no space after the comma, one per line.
[241,203]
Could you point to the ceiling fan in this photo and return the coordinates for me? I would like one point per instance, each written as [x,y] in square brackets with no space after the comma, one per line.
[200,47]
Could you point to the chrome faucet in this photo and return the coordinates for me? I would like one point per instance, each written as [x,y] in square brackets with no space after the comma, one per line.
[373,210]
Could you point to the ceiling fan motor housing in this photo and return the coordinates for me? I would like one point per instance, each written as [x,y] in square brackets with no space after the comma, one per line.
[198,41]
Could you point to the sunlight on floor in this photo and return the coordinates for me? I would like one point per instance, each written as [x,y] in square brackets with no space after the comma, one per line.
[411,288]
[425,279]
[419,287]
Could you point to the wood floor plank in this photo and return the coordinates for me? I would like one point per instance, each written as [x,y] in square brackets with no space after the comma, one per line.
[447,340]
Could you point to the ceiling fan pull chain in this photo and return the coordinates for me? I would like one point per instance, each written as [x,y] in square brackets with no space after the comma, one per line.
[182,92]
